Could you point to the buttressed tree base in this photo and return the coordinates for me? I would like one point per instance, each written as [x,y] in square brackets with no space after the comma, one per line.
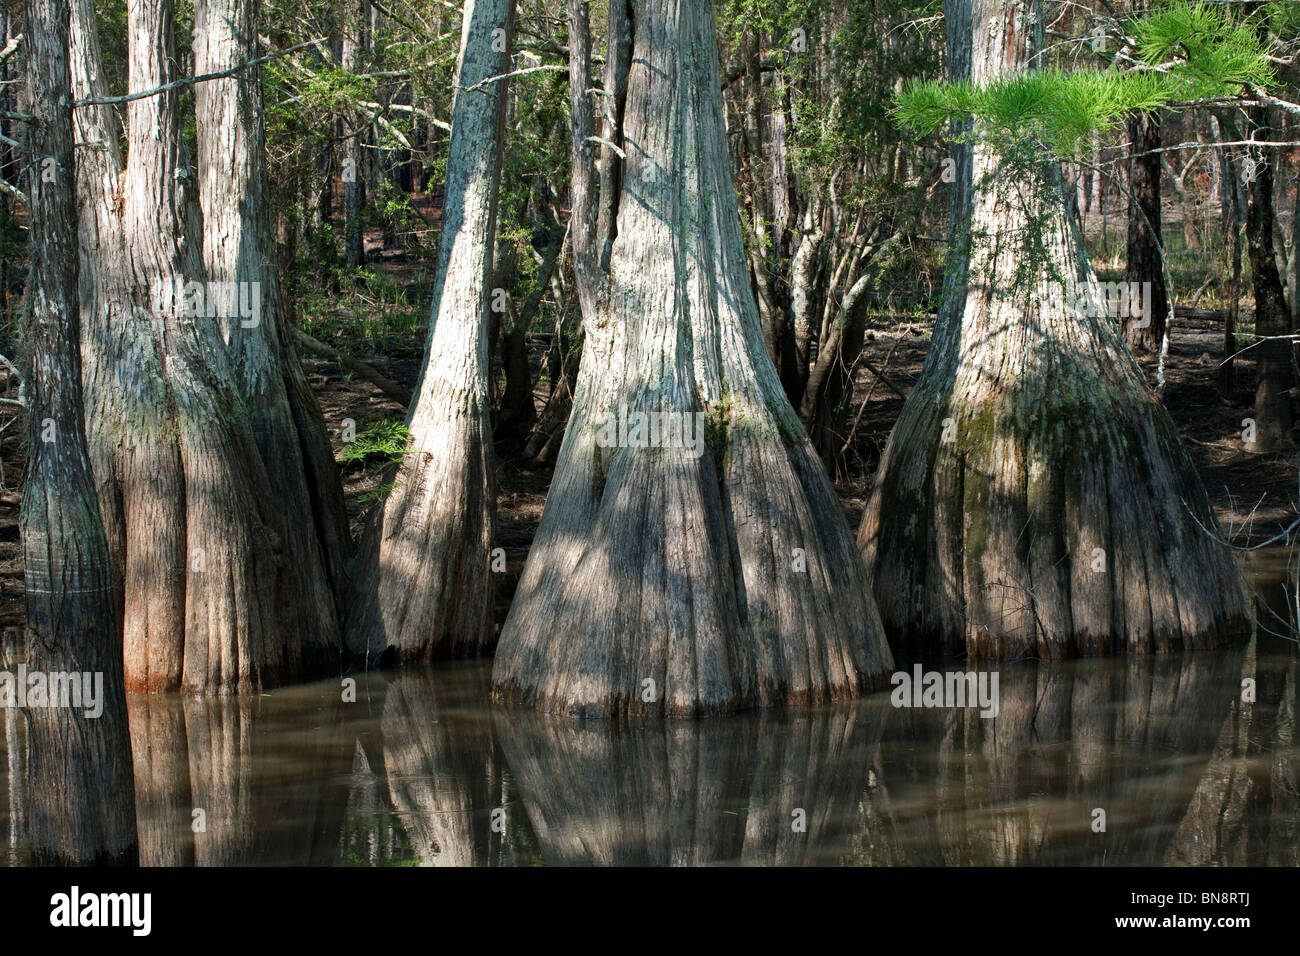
[671,578]
[1034,498]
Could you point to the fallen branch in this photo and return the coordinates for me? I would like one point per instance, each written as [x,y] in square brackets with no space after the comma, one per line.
[848,442]
[394,390]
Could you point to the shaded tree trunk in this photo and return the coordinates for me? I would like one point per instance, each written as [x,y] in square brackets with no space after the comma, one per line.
[1232,221]
[82,806]
[1144,236]
[1034,498]
[286,420]
[664,580]
[517,413]
[766,254]
[1274,363]
[423,585]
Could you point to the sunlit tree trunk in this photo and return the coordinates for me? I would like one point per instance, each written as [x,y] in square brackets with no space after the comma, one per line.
[353,236]
[423,585]
[661,580]
[286,419]
[82,807]
[1034,498]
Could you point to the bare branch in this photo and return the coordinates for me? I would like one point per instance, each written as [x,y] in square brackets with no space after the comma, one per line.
[190,80]
[505,76]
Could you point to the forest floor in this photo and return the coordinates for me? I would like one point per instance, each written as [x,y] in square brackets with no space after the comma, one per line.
[1254,496]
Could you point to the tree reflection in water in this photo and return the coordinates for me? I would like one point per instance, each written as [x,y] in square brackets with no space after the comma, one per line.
[421,770]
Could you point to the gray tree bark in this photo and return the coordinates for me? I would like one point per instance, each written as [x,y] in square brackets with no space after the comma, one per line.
[660,581]
[1034,498]
[1144,262]
[423,583]
[286,420]
[353,238]
[1275,361]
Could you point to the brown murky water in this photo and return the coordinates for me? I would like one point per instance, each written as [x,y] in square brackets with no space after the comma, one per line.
[419,770]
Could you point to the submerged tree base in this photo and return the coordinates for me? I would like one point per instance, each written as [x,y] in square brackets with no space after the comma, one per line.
[710,570]
[1015,528]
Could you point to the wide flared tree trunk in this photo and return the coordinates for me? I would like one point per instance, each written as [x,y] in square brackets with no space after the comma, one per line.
[1144,236]
[679,579]
[82,806]
[1034,497]
[423,583]
[286,420]
[193,526]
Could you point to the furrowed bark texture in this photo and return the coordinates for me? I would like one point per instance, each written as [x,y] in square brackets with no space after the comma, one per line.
[1034,498]
[82,808]
[661,581]
[193,526]
[423,584]
[286,420]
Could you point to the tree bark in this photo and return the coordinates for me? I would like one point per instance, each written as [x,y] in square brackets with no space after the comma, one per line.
[286,420]
[1144,235]
[423,586]
[354,241]
[188,506]
[82,808]
[517,414]
[662,581]
[1034,498]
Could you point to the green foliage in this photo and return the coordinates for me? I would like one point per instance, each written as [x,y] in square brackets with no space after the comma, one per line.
[1185,52]
[378,443]
[1059,108]
[1204,49]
